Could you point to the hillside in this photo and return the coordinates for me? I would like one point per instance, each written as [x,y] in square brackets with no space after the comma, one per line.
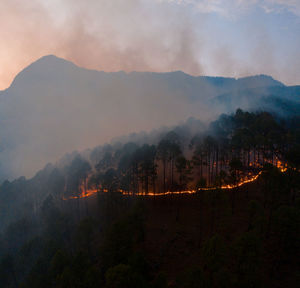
[179,229]
[280,100]
[184,207]
[164,241]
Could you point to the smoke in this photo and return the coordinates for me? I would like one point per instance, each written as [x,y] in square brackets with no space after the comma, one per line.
[142,35]
[54,107]
[42,122]
[132,35]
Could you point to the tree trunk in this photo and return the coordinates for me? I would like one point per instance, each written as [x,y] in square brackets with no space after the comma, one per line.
[164,168]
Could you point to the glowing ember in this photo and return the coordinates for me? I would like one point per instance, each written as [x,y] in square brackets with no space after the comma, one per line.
[91,192]
[248,179]
[83,194]
[281,166]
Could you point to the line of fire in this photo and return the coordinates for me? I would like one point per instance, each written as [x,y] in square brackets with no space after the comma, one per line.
[88,187]
[234,150]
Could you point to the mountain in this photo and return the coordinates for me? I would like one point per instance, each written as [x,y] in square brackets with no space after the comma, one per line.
[53,107]
[282,100]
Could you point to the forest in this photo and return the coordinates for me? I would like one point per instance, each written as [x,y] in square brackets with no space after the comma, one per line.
[230,151]
[195,205]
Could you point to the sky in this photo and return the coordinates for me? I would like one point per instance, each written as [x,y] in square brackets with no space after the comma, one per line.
[232,38]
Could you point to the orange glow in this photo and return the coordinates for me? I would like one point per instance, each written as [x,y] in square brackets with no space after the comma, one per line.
[281,166]
[247,179]
[90,192]
[83,194]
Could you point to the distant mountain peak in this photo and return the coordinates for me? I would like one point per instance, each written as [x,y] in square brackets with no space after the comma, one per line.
[49,64]
[49,56]
[261,80]
[50,60]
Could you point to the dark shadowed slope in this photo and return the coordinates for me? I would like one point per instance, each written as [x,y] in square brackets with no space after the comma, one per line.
[282,100]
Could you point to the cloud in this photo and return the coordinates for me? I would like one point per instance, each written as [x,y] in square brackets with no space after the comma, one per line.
[235,8]
[290,5]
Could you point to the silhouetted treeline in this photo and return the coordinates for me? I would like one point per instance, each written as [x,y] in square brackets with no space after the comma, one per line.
[233,147]
[186,158]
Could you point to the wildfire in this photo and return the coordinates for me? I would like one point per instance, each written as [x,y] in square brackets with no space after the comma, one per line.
[247,179]
[281,166]
[83,194]
[90,192]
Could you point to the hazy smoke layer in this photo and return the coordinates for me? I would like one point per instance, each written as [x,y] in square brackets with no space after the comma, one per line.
[42,117]
[147,35]
[106,35]
[54,107]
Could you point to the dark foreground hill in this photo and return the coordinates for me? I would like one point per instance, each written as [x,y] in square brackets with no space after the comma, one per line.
[53,235]
[124,215]
[198,241]
[244,237]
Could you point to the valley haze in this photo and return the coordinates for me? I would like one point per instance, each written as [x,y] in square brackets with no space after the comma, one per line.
[53,107]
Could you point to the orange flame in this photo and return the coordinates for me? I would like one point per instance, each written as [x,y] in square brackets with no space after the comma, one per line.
[246,180]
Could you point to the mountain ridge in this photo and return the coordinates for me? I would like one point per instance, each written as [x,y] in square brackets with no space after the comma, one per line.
[51,60]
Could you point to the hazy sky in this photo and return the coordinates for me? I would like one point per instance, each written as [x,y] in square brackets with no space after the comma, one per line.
[201,37]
